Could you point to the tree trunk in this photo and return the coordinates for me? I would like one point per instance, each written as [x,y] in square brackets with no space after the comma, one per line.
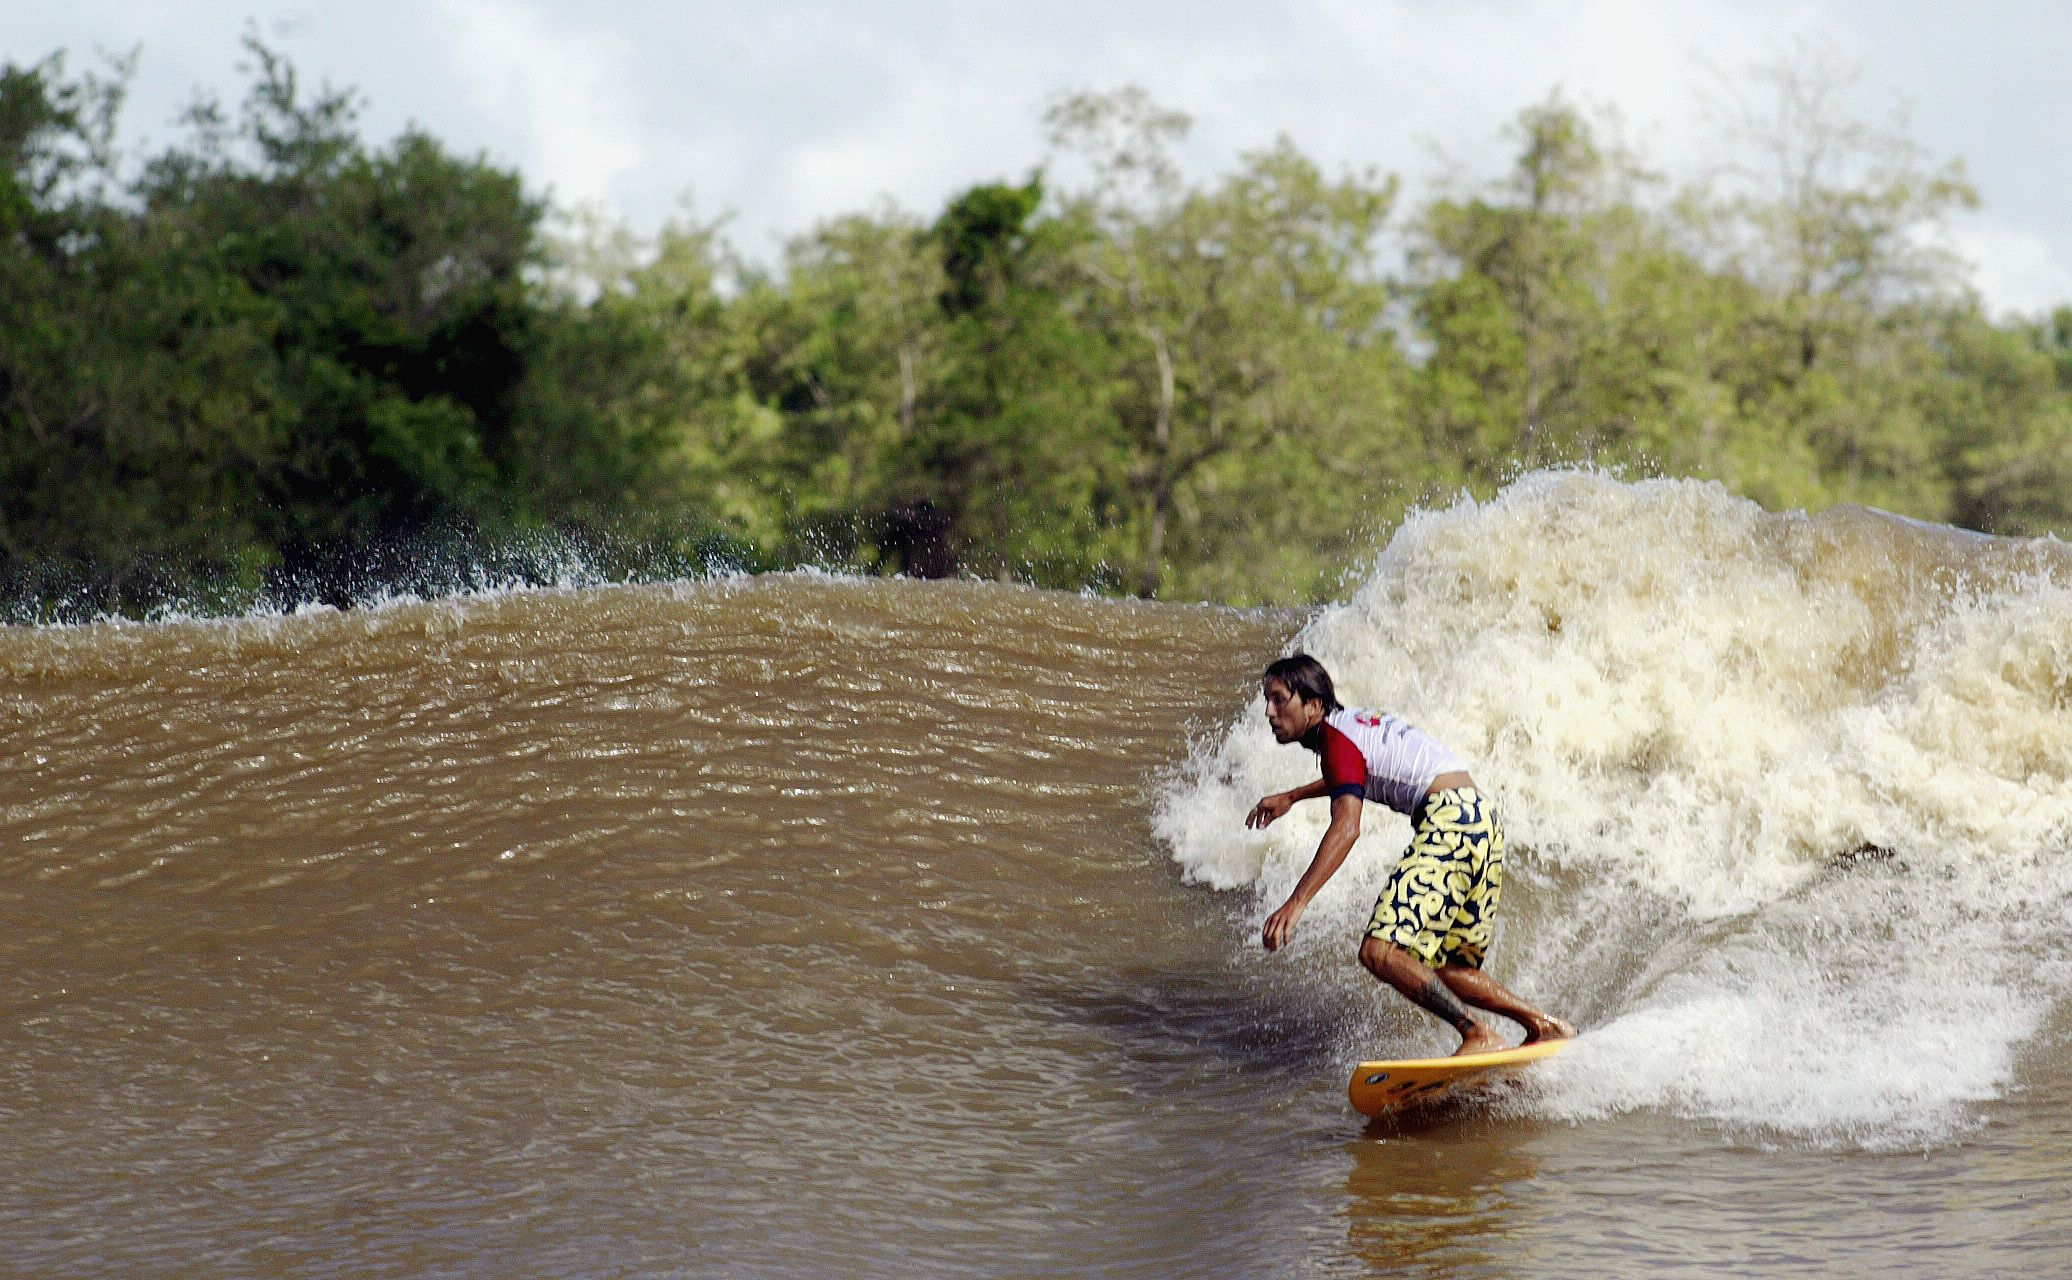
[906,390]
[1152,574]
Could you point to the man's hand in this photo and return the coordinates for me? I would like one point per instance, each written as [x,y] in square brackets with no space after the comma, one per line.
[1267,810]
[1280,926]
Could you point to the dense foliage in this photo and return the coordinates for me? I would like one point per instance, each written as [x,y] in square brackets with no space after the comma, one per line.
[276,360]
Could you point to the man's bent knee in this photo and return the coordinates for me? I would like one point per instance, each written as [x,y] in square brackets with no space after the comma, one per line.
[1374,954]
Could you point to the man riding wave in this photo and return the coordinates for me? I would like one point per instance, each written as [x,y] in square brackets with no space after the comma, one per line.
[1431,926]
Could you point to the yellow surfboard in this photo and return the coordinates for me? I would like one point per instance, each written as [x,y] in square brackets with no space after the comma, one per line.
[1412,1082]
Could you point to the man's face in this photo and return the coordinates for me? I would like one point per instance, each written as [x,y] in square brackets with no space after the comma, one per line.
[1289,715]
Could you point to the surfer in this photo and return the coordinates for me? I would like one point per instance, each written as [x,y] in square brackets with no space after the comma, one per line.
[1431,925]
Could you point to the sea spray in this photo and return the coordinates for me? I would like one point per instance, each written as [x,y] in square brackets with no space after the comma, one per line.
[1788,797]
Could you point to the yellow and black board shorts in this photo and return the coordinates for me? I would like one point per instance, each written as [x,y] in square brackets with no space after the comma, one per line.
[1440,903]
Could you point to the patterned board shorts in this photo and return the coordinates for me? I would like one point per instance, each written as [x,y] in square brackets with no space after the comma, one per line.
[1440,903]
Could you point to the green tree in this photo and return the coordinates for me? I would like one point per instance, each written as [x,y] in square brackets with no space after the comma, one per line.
[112,414]
[279,357]
[1543,301]
[390,284]
[1010,457]
[1837,223]
[282,357]
[1257,413]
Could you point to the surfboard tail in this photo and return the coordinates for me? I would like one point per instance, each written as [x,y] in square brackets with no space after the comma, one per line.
[1379,1087]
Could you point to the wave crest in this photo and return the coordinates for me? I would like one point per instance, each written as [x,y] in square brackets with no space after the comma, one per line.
[1763,774]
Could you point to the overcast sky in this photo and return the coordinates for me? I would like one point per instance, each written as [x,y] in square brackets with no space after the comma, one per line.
[785,112]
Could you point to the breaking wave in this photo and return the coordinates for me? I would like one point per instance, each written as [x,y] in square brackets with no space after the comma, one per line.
[1789,797]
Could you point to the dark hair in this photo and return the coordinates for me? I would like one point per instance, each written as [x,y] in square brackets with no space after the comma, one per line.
[1306,678]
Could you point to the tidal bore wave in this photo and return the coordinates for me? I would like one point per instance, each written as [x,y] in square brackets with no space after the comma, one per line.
[764,925]
[1790,797]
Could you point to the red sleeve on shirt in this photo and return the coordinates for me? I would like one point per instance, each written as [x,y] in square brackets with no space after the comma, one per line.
[1345,769]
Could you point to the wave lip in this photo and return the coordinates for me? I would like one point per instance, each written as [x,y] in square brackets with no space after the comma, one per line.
[1788,796]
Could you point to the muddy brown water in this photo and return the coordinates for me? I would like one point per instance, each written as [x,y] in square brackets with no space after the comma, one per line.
[789,926]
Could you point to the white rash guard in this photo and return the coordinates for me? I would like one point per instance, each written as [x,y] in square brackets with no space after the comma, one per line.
[1376,756]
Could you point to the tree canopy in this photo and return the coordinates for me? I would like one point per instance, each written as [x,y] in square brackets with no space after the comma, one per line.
[277,360]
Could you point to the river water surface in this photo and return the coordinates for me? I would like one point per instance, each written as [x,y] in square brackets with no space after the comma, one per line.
[804,926]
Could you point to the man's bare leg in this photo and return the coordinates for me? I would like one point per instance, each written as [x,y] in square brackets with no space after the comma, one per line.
[1422,985]
[1484,992]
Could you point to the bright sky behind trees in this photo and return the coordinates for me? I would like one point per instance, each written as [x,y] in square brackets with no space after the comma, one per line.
[788,112]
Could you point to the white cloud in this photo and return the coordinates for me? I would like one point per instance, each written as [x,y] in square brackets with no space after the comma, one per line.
[565,87]
[2016,270]
[793,110]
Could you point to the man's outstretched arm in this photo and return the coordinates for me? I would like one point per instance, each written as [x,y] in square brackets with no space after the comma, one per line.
[1273,806]
[1331,851]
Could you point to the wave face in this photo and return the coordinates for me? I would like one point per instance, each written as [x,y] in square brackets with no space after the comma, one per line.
[726,927]
[600,932]
[1788,797]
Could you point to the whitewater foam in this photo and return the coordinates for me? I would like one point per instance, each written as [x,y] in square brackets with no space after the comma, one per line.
[1789,797]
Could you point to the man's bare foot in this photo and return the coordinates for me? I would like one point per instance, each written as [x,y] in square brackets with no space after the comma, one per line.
[1548,1028]
[1480,1040]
